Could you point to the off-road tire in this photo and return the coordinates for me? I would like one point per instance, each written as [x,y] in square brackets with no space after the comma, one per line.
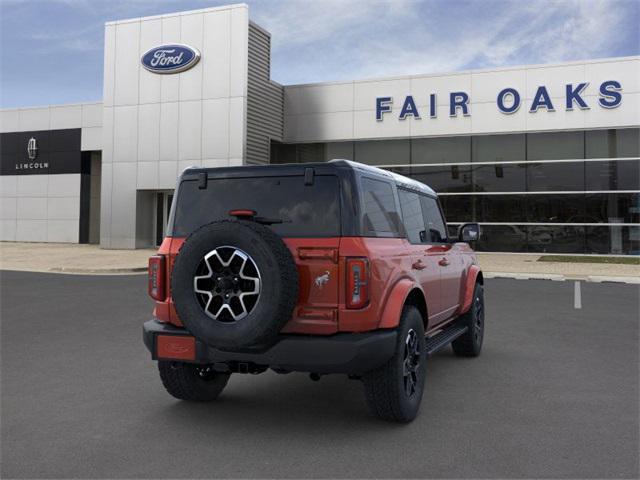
[186,381]
[469,344]
[385,390]
[279,284]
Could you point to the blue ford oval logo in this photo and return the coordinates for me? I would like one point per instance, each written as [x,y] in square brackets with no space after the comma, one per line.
[171,58]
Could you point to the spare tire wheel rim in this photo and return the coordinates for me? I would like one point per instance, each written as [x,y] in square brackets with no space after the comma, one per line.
[227,284]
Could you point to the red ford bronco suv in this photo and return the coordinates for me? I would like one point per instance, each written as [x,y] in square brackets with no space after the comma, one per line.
[333,267]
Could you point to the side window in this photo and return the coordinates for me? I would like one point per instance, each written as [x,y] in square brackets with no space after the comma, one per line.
[436,230]
[412,216]
[380,216]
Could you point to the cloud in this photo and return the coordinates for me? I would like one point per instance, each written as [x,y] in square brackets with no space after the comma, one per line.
[52,40]
[333,40]
[297,22]
[321,40]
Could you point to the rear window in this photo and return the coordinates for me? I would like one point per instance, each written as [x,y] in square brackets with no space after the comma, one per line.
[306,210]
[380,216]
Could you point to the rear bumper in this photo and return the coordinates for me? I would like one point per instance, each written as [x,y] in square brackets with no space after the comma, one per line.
[351,353]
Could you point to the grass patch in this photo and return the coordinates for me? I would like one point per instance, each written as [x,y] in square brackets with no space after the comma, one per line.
[588,259]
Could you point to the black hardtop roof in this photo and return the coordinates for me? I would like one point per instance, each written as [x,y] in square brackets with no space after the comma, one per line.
[320,168]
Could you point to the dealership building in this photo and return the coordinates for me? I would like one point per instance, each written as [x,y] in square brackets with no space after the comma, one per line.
[544,157]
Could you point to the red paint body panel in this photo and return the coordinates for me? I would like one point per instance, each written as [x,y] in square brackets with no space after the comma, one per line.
[445,274]
[470,284]
[389,262]
[164,310]
[316,312]
[393,308]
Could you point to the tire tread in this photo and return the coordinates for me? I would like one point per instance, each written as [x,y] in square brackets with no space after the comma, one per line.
[382,389]
[182,382]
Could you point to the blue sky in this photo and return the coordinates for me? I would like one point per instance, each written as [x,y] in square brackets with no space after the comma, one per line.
[51,51]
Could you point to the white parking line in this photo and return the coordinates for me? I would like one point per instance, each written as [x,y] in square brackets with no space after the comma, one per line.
[577,295]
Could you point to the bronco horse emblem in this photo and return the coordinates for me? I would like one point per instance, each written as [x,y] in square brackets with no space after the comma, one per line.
[321,280]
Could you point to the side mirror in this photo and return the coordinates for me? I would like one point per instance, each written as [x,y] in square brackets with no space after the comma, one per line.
[469,232]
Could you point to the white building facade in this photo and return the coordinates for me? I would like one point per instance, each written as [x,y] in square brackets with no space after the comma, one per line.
[545,157]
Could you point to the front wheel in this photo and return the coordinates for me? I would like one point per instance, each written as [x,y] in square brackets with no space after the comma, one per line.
[470,343]
[187,381]
[394,391]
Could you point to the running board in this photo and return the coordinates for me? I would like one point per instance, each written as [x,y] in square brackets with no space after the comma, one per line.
[444,338]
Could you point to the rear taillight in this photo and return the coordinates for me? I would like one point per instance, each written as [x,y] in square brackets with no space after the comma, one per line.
[357,282]
[157,277]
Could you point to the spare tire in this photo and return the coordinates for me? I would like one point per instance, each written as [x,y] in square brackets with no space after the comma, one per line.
[234,284]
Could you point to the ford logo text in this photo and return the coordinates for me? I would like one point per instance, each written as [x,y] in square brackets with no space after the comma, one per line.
[172,58]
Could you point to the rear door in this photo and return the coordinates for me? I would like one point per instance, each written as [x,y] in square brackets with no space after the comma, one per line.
[306,215]
[424,265]
[449,264]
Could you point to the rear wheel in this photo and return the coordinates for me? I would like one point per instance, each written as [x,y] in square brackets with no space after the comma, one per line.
[187,381]
[394,391]
[470,343]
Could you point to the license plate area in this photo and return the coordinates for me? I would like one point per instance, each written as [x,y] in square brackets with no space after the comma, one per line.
[173,347]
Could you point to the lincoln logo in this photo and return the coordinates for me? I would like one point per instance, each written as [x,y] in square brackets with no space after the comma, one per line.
[173,58]
[32,154]
[32,149]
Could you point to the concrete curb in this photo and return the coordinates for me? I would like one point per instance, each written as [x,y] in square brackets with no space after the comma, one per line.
[600,279]
[562,278]
[525,276]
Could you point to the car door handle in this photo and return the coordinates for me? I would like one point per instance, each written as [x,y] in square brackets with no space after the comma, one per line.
[418,265]
[443,262]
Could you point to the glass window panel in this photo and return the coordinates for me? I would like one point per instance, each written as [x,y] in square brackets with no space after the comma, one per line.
[613,143]
[613,208]
[499,178]
[306,210]
[458,208]
[560,208]
[555,145]
[441,150]
[435,227]
[556,239]
[502,238]
[613,175]
[613,240]
[339,150]
[380,214]
[454,178]
[412,216]
[383,152]
[545,177]
[499,148]
[501,208]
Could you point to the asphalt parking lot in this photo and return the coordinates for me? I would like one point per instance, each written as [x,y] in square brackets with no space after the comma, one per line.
[554,394]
